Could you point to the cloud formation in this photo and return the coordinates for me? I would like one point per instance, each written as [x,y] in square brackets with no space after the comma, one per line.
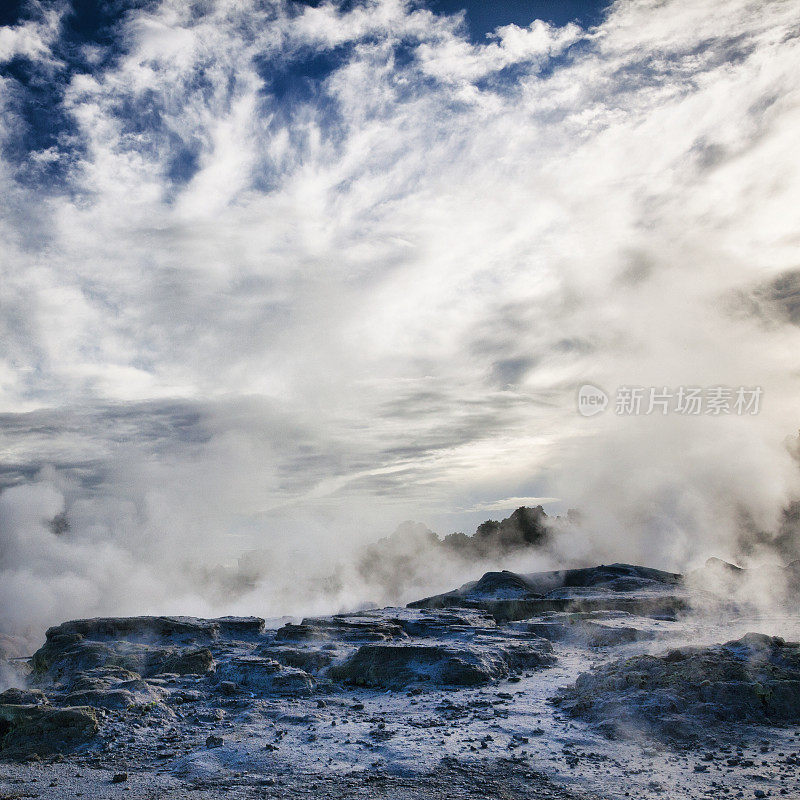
[287,274]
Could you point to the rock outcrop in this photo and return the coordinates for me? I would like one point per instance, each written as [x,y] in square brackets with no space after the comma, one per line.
[397,666]
[588,628]
[616,587]
[95,680]
[265,676]
[755,679]
[38,730]
[143,646]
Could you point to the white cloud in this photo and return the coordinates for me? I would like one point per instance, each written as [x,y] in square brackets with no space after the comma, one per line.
[32,39]
[416,262]
[509,504]
[455,60]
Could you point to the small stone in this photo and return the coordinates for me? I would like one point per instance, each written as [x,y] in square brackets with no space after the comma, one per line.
[119,777]
[214,741]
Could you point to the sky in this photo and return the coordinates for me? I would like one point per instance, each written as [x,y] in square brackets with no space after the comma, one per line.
[282,275]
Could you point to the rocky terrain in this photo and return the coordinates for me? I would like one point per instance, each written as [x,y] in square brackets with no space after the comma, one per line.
[618,587]
[683,694]
[608,681]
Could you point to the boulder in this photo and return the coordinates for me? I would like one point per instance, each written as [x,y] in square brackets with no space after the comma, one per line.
[308,659]
[755,679]
[70,657]
[102,678]
[27,730]
[113,699]
[436,623]
[194,661]
[510,596]
[22,697]
[396,666]
[264,675]
[63,658]
[588,629]
[175,630]
[343,628]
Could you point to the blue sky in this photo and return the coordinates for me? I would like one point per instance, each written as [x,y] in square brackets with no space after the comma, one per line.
[90,37]
[279,272]
[484,18]
[90,16]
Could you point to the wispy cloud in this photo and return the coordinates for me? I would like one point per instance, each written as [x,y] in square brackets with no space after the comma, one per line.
[370,261]
[508,504]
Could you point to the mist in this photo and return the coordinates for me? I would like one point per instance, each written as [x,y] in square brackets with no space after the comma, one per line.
[278,277]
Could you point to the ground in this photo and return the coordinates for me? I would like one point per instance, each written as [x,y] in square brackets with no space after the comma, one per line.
[428,702]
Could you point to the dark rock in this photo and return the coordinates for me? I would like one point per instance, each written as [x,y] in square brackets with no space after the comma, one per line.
[754,679]
[121,695]
[119,777]
[350,628]
[503,585]
[265,675]
[588,629]
[68,657]
[116,699]
[240,628]
[623,587]
[214,741]
[439,623]
[104,677]
[27,730]
[528,654]
[71,657]
[142,645]
[199,661]
[139,629]
[186,630]
[396,666]
[22,697]
[308,659]
[186,696]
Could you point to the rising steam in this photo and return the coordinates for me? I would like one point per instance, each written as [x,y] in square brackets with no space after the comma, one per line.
[290,275]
